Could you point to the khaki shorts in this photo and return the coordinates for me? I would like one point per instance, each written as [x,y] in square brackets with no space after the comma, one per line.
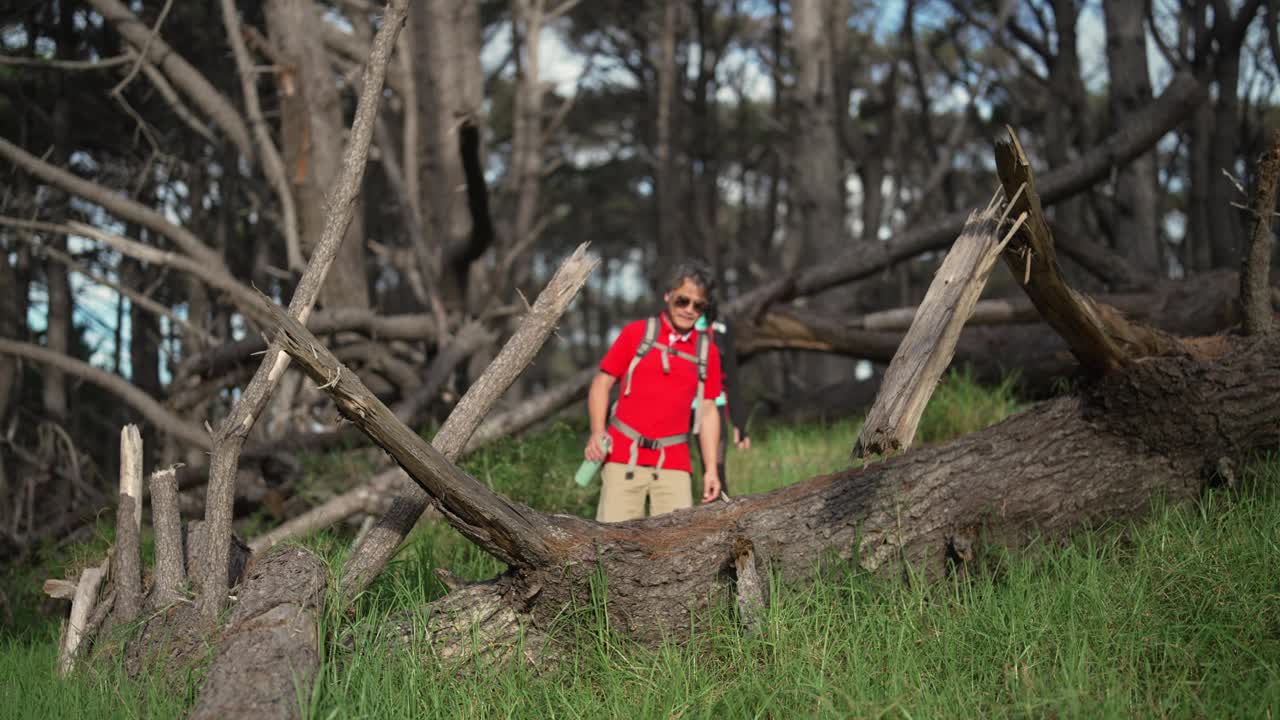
[623,499]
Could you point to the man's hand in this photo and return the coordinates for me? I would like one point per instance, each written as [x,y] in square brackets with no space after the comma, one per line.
[595,451]
[710,485]
[742,441]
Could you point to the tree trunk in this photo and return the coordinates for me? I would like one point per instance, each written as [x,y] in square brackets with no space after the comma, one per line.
[816,221]
[1066,130]
[1135,224]
[670,232]
[816,226]
[449,89]
[312,128]
[1224,227]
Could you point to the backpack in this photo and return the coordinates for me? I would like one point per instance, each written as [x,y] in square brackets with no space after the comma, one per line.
[650,342]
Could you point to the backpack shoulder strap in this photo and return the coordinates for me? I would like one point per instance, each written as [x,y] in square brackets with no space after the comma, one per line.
[704,349]
[646,344]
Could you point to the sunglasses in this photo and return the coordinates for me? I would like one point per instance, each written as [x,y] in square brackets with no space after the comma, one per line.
[683,302]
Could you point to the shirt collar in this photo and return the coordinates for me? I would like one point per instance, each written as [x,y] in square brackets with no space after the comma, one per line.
[672,335]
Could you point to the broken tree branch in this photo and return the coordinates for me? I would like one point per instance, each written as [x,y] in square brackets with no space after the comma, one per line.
[81,608]
[170,572]
[479,399]
[114,203]
[192,82]
[272,165]
[510,532]
[929,345]
[1101,338]
[232,433]
[127,559]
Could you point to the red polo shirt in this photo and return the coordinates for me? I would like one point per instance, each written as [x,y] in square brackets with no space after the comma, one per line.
[659,403]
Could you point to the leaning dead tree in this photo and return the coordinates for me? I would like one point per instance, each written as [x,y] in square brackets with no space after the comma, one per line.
[1161,413]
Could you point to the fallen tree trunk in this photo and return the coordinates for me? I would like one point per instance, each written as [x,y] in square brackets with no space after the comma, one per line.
[1147,430]
[1003,340]
[1075,462]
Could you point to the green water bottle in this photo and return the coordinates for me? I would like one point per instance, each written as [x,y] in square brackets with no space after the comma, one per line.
[588,469]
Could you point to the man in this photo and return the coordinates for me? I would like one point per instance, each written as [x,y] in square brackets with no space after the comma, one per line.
[666,366]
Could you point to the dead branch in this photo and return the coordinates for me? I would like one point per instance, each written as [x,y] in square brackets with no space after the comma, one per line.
[170,571]
[1099,336]
[127,559]
[379,489]
[224,358]
[1183,94]
[170,96]
[113,202]
[1255,278]
[232,433]
[191,81]
[154,412]
[82,607]
[272,165]
[479,399]
[140,299]
[930,343]
[510,532]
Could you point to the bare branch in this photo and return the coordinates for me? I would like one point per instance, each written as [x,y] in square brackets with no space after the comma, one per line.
[235,428]
[103,64]
[509,531]
[272,165]
[186,77]
[170,96]
[146,46]
[141,300]
[514,357]
[154,412]
[1183,94]
[117,205]
[1099,336]
[930,343]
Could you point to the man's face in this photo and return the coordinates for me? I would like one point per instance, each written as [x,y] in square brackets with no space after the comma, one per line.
[685,305]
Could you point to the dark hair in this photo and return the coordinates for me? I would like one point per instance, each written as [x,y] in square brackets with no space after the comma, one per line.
[697,272]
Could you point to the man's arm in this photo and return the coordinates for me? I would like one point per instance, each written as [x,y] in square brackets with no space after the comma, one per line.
[598,412]
[709,441]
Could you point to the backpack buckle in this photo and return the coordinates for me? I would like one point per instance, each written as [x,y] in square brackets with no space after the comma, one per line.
[647,443]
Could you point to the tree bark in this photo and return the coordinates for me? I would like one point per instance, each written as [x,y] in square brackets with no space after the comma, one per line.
[269,653]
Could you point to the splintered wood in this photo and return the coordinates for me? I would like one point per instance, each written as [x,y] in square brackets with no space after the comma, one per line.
[930,343]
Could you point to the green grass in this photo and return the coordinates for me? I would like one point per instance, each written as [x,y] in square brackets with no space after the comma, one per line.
[1178,616]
